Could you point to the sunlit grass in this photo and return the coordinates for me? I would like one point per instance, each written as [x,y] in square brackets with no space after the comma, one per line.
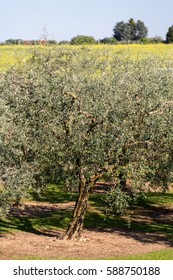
[166,254]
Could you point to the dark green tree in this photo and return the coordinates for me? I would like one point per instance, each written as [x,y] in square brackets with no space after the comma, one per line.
[141,30]
[130,31]
[122,31]
[108,40]
[133,29]
[169,35]
[51,42]
[82,40]
[64,42]
[13,41]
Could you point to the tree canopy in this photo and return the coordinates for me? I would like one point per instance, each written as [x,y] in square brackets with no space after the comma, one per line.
[79,115]
[130,31]
[108,40]
[169,35]
[82,40]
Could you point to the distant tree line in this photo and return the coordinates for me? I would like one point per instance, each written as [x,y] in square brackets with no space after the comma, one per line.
[29,42]
[123,32]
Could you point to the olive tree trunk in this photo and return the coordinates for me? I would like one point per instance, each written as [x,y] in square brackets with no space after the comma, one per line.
[85,187]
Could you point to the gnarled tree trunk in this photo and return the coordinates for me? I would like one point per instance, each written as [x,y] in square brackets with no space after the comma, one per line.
[85,187]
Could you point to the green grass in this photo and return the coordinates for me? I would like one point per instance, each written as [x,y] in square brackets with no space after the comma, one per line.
[57,194]
[166,254]
[54,219]
[157,198]
[95,218]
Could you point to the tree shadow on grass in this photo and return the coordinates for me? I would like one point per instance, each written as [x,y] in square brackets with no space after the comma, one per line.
[153,228]
[156,198]
[37,220]
[22,224]
[149,224]
[56,194]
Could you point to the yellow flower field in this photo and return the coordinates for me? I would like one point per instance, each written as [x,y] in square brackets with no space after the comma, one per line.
[9,55]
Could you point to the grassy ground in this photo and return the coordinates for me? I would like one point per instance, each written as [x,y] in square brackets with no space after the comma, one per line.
[95,217]
[156,205]
[166,254]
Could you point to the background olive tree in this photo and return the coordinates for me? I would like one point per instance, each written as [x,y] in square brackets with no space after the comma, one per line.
[81,114]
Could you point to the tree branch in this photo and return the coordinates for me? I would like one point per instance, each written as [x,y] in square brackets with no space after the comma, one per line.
[163,105]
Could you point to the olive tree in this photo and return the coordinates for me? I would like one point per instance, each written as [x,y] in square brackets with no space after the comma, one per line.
[82,113]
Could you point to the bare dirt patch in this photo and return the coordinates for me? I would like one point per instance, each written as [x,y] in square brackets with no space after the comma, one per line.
[94,243]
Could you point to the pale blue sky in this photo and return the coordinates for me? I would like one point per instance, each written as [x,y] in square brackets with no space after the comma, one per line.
[63,19]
